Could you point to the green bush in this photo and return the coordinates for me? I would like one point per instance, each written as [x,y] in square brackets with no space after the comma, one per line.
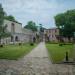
[20,44]
[1,45]
[31,44]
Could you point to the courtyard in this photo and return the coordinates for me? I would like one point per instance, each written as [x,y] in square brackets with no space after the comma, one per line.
[34,60]
[37,37]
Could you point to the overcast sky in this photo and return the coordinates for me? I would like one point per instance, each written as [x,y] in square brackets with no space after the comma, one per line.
[39,11]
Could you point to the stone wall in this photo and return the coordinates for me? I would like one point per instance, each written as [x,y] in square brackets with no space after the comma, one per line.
[17,26]
[18,34]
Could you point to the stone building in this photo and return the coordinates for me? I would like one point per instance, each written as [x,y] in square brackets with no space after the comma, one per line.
[18,33]
[51,34]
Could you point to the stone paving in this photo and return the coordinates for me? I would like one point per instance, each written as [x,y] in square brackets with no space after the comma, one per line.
[35,63]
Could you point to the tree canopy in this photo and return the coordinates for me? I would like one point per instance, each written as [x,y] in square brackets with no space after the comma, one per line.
[31,25]
[1,16]
[10,17]
[3,28]
[41,28]
[66,23]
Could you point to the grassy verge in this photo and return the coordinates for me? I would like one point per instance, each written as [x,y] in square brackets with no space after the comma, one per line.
[15,51]
[58,53]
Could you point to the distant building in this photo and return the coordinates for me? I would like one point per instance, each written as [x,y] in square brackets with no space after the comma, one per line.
[51,34]
[18,33]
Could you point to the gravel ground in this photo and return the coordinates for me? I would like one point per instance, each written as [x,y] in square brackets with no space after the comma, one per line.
[35,63]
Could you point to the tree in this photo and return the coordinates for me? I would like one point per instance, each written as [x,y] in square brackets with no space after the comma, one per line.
[60,22]
[3,30]
[41,28]
[31,25]
[10,17]
[41,32]
[66,23]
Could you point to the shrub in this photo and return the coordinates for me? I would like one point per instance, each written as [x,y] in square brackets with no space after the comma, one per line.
[20,44]
[60,44]
[31,44]
[1,45]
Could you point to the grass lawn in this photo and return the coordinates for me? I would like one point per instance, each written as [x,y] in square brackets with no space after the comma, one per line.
[15,51]
[58,53]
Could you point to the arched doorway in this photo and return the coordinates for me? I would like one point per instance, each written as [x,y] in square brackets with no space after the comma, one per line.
[12,38]
[16,38]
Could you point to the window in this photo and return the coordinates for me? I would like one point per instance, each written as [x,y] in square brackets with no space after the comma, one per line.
[12,27]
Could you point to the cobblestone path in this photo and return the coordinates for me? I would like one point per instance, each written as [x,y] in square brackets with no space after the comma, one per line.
[35,63]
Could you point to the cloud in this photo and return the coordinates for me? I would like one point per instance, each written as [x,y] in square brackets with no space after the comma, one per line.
[40,11]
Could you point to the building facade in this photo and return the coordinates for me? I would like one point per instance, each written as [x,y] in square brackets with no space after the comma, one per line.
[51,34]
[18,33]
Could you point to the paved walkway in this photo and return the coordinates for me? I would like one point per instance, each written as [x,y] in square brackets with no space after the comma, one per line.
[35,63]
